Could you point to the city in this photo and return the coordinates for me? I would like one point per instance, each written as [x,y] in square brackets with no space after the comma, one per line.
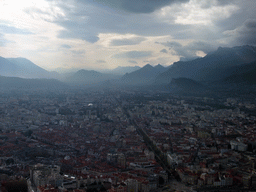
[127,141]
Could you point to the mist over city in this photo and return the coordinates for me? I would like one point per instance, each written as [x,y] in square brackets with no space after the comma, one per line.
[127,96]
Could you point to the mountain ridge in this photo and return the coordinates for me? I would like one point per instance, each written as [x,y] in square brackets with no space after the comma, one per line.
[210,67]
[144,75]
[88,77]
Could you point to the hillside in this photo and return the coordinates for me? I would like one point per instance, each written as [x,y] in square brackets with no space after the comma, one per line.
[122,70]
[88,77]
[185,85]
[8,68]
[24,68]
[243,74]
[211,67]
[28,69]
[145,75]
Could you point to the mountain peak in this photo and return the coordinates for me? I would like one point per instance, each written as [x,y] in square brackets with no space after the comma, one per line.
[147,66]
[21,58]
[212,67]
[159,66]
[27,69]
[121,70]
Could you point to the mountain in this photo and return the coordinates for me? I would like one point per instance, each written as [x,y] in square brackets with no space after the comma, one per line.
[122,70]
[21,67]
[242,74]
[8,68]
[8,83]
[159,67]
[211,67]
[89,77]
[28,69]
[185,85]
[145,75]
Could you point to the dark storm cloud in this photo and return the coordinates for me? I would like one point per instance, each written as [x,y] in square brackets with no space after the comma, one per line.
[244,34]
[164,51]
[180,50]
[87,19]
[139,6]
[65,34]
[171,44]
[208,3]
[189,51]
[133,54]
[201,46]
[65,46]
[13,30]
[223,2]
[246,11]
[132,41]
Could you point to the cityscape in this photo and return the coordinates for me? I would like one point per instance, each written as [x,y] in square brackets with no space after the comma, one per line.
[127,141]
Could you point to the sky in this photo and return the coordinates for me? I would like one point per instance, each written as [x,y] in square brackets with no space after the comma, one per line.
[104,34]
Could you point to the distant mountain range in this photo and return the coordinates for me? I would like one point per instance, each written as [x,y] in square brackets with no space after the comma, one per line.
[88,77]
[21,67]
[123,70]
[223,69]
[212,67]
[143,76]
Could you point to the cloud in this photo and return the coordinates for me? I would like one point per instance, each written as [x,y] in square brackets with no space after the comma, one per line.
[196,12]
[66,34]
[164,51]
[229,28]
[2,40]
[160,60]
[87,19]
[126,41]
[190,50]
[133,54]
[201,46]
[100,61]
[171,44]
[134,62]
[78,52]
[47,13]
[7,29]
[206,4]
[139,6]
[65,46]
[244,34]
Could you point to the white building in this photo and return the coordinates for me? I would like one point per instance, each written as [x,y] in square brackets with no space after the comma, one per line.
[238,146]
